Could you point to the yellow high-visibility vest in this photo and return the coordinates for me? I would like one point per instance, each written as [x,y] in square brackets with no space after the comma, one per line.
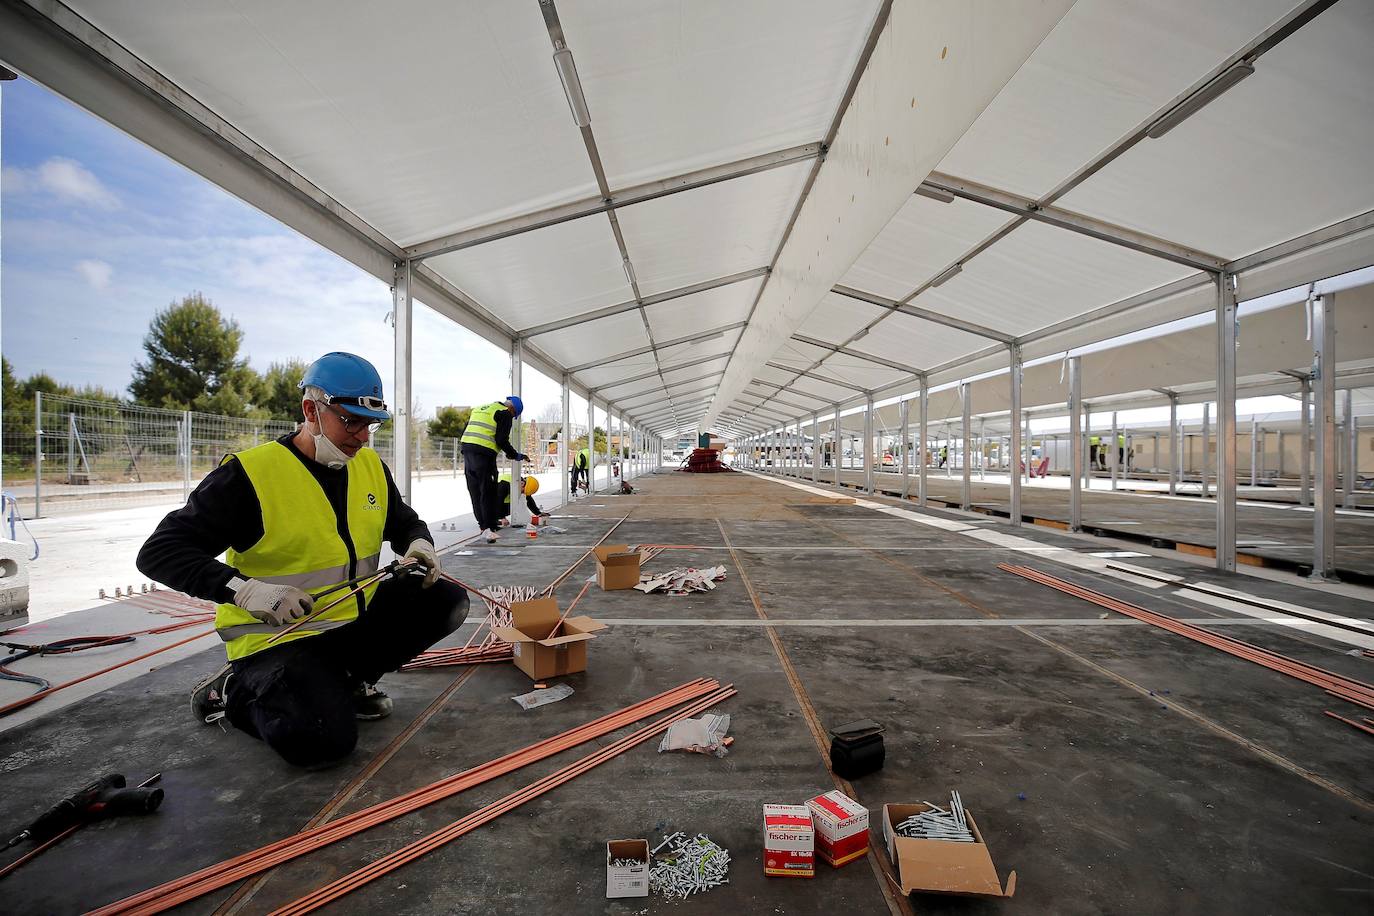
[481,428]
[584,458]
[300,543]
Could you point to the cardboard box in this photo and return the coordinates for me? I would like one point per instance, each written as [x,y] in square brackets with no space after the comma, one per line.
[627,880]
[941,866]
[841,827]
[536,654]
[617,566]
[789,841]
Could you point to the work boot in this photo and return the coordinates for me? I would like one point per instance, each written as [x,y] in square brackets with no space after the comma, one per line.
[369,703]
[493,537]
[208,697]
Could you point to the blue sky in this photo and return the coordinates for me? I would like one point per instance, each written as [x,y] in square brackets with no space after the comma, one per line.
[100,232]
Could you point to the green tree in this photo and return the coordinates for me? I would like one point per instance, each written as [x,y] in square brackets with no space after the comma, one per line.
[449,422]
[193,361]
[598,436]
[279,392]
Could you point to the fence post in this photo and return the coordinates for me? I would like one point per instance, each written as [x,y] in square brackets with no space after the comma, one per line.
[38,454]
[454,443]
[71,447]
[186,469]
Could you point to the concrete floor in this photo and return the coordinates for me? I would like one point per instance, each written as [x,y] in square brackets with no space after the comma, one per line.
[1273,534]
[1115,767]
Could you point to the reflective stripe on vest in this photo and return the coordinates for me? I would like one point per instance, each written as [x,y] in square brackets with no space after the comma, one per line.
[481,428]
[301,545]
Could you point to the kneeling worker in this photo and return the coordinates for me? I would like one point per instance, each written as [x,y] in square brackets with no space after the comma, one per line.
[295,516]
[528,485]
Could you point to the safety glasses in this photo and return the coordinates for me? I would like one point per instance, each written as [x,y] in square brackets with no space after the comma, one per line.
[354,425]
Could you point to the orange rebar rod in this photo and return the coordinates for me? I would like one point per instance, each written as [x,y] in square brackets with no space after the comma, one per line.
[1337,684]
[368,873]
[1351,722]
[188,887]
[34,698]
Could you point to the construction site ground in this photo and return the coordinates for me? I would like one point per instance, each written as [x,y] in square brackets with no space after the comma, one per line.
[1115,767]
[1278,535]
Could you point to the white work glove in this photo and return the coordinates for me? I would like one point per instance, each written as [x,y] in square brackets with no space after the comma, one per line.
[274,604]
[423,551]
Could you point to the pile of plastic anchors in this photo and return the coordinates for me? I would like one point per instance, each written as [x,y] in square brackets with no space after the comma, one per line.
[688,866]
[625,863]
[938,824]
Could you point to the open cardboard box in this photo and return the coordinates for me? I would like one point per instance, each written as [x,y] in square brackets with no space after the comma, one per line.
[942,866]
[617,566]
[627,880]
[535,653]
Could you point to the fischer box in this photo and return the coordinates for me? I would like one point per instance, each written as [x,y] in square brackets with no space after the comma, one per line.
[841,827]
[789,841]
[627,880]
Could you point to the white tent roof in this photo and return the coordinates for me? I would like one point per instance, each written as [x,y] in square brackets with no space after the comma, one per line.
[440,131]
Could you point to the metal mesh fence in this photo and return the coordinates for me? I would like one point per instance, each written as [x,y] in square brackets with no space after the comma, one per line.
[73,454]
[64,454]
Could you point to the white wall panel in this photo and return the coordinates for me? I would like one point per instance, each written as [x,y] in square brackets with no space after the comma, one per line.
[583,343]
[676,86]
[1272,159]
[918,343]
[837,318]
[541,276]
[712,232]
[422,119]
[1039,274]
[1107,66]
[712,309]
[924,238]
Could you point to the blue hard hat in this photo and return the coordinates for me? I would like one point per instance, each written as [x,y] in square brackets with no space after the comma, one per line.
[351,382]
[518,404]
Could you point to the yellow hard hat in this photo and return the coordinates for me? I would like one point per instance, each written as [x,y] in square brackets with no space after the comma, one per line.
[530,485]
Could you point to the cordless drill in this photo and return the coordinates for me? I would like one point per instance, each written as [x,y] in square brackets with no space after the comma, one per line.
[106,797]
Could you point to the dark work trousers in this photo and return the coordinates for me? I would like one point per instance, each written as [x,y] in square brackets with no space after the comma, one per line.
[577,473]
[298,697]
[479,466]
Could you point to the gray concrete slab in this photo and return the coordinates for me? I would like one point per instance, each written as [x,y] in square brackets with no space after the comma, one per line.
[1229,793]
[1281,535]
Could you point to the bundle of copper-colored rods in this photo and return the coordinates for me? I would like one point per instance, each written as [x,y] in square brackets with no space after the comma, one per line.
[491,649]
[1338,685]
[176,892]
[368,873]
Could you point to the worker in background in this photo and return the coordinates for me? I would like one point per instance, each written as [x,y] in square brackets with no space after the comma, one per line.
[581,471]
[1097,456]
[1121,453]
[528,486]
[292,517]
[487,435]
[944,456]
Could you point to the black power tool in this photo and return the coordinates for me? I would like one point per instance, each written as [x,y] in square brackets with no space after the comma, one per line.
[104,798]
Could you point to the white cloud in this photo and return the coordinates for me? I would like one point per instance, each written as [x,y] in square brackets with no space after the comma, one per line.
[65,179]
[96,273]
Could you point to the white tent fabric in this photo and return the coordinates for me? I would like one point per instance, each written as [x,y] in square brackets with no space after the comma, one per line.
[376,129]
